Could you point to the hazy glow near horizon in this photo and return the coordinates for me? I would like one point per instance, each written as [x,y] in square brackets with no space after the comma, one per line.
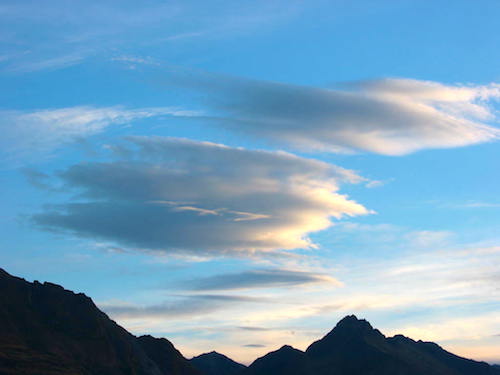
[240,177]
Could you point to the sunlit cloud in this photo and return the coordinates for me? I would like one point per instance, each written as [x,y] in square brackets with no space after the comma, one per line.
[176,195]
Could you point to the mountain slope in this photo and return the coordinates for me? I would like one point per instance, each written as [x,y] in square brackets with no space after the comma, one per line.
[45,329]
[166,357]
[214,363]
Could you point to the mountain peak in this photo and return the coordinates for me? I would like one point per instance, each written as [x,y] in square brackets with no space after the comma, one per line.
[287,347]
[213,354]
[353,327]
[352,321]
[215,363]
[349,332]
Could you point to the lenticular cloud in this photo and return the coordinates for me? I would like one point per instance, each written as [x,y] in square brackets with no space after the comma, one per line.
[167,194]
[387,116]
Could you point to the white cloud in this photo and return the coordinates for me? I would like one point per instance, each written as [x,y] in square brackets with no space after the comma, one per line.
[171,195]
[427,238]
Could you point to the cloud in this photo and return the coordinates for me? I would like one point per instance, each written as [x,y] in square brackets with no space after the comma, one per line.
[255,329]
[50,63]
[37,178]
[89,32]
[428,238]
[181,307]
[260,278]
[167,194]
[28,134]
[254,346]
[386,116]
[473,204]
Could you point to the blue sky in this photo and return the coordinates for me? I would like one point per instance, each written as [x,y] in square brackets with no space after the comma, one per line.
[240,175]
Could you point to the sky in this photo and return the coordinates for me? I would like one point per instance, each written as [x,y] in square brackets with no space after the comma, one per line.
[236,176]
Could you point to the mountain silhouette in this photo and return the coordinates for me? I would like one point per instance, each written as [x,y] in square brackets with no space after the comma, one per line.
[286,360]
[168,359]
[354,347]
[214,363]
[47,330]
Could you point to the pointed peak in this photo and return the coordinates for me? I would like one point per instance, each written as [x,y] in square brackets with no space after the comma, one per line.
[353,321]
[348,329]
[353,326]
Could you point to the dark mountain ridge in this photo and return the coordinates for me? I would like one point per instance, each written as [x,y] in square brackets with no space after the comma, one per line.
[354,347]
[47,330]
[214,363]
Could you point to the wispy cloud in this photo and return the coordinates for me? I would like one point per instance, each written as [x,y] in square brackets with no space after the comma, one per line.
[473,204]
[175,195]
[88,29]
[28,135]
[48,63]
[386,116]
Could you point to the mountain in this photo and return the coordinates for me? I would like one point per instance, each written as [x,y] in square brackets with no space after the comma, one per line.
[286,360]
[169,360]
[354,347]
[47,330]
[214,363]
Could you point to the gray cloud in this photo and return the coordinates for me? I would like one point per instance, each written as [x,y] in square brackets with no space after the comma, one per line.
[165,194]
[180,307]
[37,178]
[254,346]
[260,278]
[387,116]
[257,329]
